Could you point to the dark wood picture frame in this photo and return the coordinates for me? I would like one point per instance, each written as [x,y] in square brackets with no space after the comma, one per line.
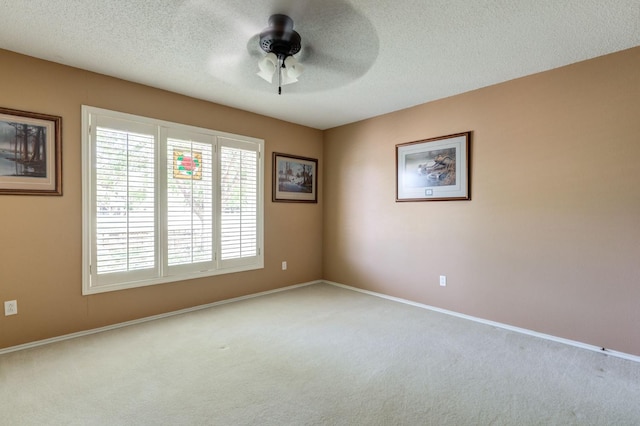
[435,169]
[30,153]
[295,179]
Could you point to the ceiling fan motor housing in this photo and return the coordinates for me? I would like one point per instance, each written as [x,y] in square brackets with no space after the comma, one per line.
[280,38]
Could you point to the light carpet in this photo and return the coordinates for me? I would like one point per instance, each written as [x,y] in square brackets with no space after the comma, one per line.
[316,355]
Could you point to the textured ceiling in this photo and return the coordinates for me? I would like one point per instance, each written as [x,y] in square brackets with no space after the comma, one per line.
[362,58]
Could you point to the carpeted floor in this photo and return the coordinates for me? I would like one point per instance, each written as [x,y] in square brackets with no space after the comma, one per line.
[316,355]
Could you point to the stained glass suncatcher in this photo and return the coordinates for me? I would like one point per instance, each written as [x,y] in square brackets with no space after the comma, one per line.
[187,165]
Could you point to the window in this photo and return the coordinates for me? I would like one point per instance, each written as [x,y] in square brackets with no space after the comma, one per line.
[166,202]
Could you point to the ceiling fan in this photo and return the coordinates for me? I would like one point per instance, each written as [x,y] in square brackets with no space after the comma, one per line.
[280,41]
[332,42]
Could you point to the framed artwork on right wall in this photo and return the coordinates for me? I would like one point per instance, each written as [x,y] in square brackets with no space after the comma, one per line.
[436,169]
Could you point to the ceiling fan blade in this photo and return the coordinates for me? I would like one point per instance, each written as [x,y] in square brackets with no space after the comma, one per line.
[350,66]
[338,43]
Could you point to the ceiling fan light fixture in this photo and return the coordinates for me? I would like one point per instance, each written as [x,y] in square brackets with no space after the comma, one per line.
[291,70]
[293,67]
[281,42]
[286,79]
[268,66]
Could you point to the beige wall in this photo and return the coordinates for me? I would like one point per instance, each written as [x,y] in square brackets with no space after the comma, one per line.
[40,237]
[551,238]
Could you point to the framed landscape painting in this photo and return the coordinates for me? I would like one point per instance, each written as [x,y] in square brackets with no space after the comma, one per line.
[434,169]
[294,179]
[30,153]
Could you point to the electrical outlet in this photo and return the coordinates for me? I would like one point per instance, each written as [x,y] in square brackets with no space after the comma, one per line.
[284,265]
[10,307]
[443,280]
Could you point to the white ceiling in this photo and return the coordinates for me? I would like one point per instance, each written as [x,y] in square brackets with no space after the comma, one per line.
[363,58]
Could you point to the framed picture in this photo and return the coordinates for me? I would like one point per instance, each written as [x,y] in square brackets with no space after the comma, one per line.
[30,153]
[434,169]
[294,179]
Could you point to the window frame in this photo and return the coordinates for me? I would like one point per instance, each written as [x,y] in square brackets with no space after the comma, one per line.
[163,273]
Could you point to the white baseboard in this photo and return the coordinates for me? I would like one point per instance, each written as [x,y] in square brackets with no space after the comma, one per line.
[146,319]
[494,323]
[582,345]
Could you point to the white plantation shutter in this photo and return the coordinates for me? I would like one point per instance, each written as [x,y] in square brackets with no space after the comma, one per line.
[166,202]
[125,222]
[238,201]
[189,202]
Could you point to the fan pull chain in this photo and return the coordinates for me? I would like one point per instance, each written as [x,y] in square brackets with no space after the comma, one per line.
[280,76]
